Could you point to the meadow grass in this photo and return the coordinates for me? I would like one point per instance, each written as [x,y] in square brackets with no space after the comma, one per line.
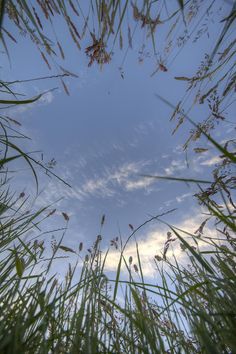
[192,307]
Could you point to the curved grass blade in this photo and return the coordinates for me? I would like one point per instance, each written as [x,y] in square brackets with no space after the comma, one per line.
[30,100]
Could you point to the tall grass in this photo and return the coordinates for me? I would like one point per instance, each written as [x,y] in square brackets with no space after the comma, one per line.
[192,307]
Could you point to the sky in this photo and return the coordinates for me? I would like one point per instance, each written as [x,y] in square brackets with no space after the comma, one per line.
[110,132]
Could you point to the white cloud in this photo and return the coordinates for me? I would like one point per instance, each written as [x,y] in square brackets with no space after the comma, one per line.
[175,166]
[97,187]
[108,184]
[182,197]
[126,176]
[148,248]
[122,176]
[165,156]
[152,243]
[211,161]
[178,149]
[141,183]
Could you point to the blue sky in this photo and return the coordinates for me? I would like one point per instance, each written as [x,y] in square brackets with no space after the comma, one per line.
[108,133]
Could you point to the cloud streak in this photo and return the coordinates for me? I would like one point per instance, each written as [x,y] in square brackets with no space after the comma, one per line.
[111,182]
[211,161]
[174,167]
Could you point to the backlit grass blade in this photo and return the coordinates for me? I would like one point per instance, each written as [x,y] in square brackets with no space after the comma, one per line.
[16,102]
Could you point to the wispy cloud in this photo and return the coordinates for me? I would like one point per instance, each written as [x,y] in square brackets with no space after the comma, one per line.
[211,161]
[124,177]
[182,197]
[97,187]
[127,176]
[141,183]
[110,182]
[175,166]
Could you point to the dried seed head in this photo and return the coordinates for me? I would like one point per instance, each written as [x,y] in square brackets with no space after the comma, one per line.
[130,38]
[37,18]
[162,67]
[66,217]
[103,219]
[136,14]
[158,258]
[51,212]
[131,227]
[80,246]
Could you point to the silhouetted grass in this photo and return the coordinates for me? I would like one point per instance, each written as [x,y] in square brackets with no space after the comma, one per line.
[192,307]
